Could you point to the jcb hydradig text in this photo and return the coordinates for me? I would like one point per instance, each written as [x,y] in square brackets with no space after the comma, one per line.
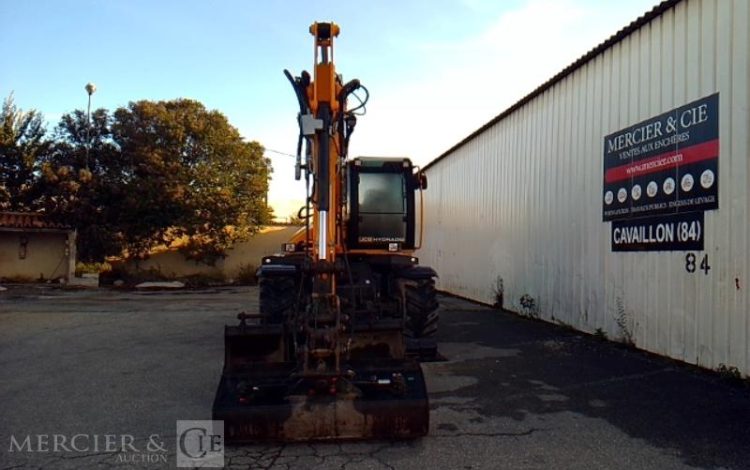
[346,312]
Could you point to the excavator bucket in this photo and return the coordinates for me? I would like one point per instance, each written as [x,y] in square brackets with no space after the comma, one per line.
[261,399]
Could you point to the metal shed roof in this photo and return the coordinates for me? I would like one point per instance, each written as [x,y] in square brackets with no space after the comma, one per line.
[614,39]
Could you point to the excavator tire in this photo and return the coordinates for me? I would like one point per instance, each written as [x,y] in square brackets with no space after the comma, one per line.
[421,308]
[278,295]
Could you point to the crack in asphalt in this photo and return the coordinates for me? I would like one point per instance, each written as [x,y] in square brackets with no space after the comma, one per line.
[528,432]
[56,459]
[83,456]
[309,455]
[276,457]
[336,455]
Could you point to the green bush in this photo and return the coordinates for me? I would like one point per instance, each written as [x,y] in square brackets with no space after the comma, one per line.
[203,280]
[91,268]
[131,278]
[246,275]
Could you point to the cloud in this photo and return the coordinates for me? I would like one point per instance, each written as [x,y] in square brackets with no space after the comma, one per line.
[457,84]
[470,80]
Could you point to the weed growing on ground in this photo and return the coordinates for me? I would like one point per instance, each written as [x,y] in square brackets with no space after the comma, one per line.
[729,372]
[246,276]
[499,292]
[529,307]
[621,319]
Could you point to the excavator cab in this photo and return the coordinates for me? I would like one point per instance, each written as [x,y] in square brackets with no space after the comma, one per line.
[381,203]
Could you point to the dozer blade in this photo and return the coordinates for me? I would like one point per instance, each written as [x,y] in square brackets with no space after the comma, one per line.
[266,402]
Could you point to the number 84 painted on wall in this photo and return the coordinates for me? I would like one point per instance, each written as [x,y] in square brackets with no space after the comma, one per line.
[690,266]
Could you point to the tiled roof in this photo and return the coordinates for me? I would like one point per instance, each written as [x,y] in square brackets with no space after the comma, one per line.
[31,220]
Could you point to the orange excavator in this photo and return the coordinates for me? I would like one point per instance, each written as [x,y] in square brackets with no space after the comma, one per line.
[346,311]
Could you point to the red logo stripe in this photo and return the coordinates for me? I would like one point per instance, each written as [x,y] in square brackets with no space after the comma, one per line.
[664,161]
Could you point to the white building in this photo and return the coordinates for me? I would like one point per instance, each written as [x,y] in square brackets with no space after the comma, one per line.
[615,196]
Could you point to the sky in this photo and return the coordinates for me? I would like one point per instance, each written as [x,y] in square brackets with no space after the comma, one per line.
[436,70]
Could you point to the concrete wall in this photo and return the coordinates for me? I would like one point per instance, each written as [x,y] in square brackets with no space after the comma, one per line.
[46,255]
[173,264]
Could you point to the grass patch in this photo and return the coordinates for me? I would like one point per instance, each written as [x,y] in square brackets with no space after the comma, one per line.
[600,334]
[92,268]
[730,373]
[203,280]
[247,276]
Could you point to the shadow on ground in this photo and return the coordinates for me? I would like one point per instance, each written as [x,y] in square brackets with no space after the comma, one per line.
[691,413]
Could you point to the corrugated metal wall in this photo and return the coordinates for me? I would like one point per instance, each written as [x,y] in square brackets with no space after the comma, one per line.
[522,201]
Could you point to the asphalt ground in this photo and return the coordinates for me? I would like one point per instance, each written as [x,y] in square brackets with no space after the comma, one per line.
[514,393]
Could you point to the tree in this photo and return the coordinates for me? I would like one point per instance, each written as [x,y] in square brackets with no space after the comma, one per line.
[295,219]
[86,187]
[22,147]
[158,172]
[195,177]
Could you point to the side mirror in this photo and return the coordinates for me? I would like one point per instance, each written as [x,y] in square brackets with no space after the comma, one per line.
[422,180]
